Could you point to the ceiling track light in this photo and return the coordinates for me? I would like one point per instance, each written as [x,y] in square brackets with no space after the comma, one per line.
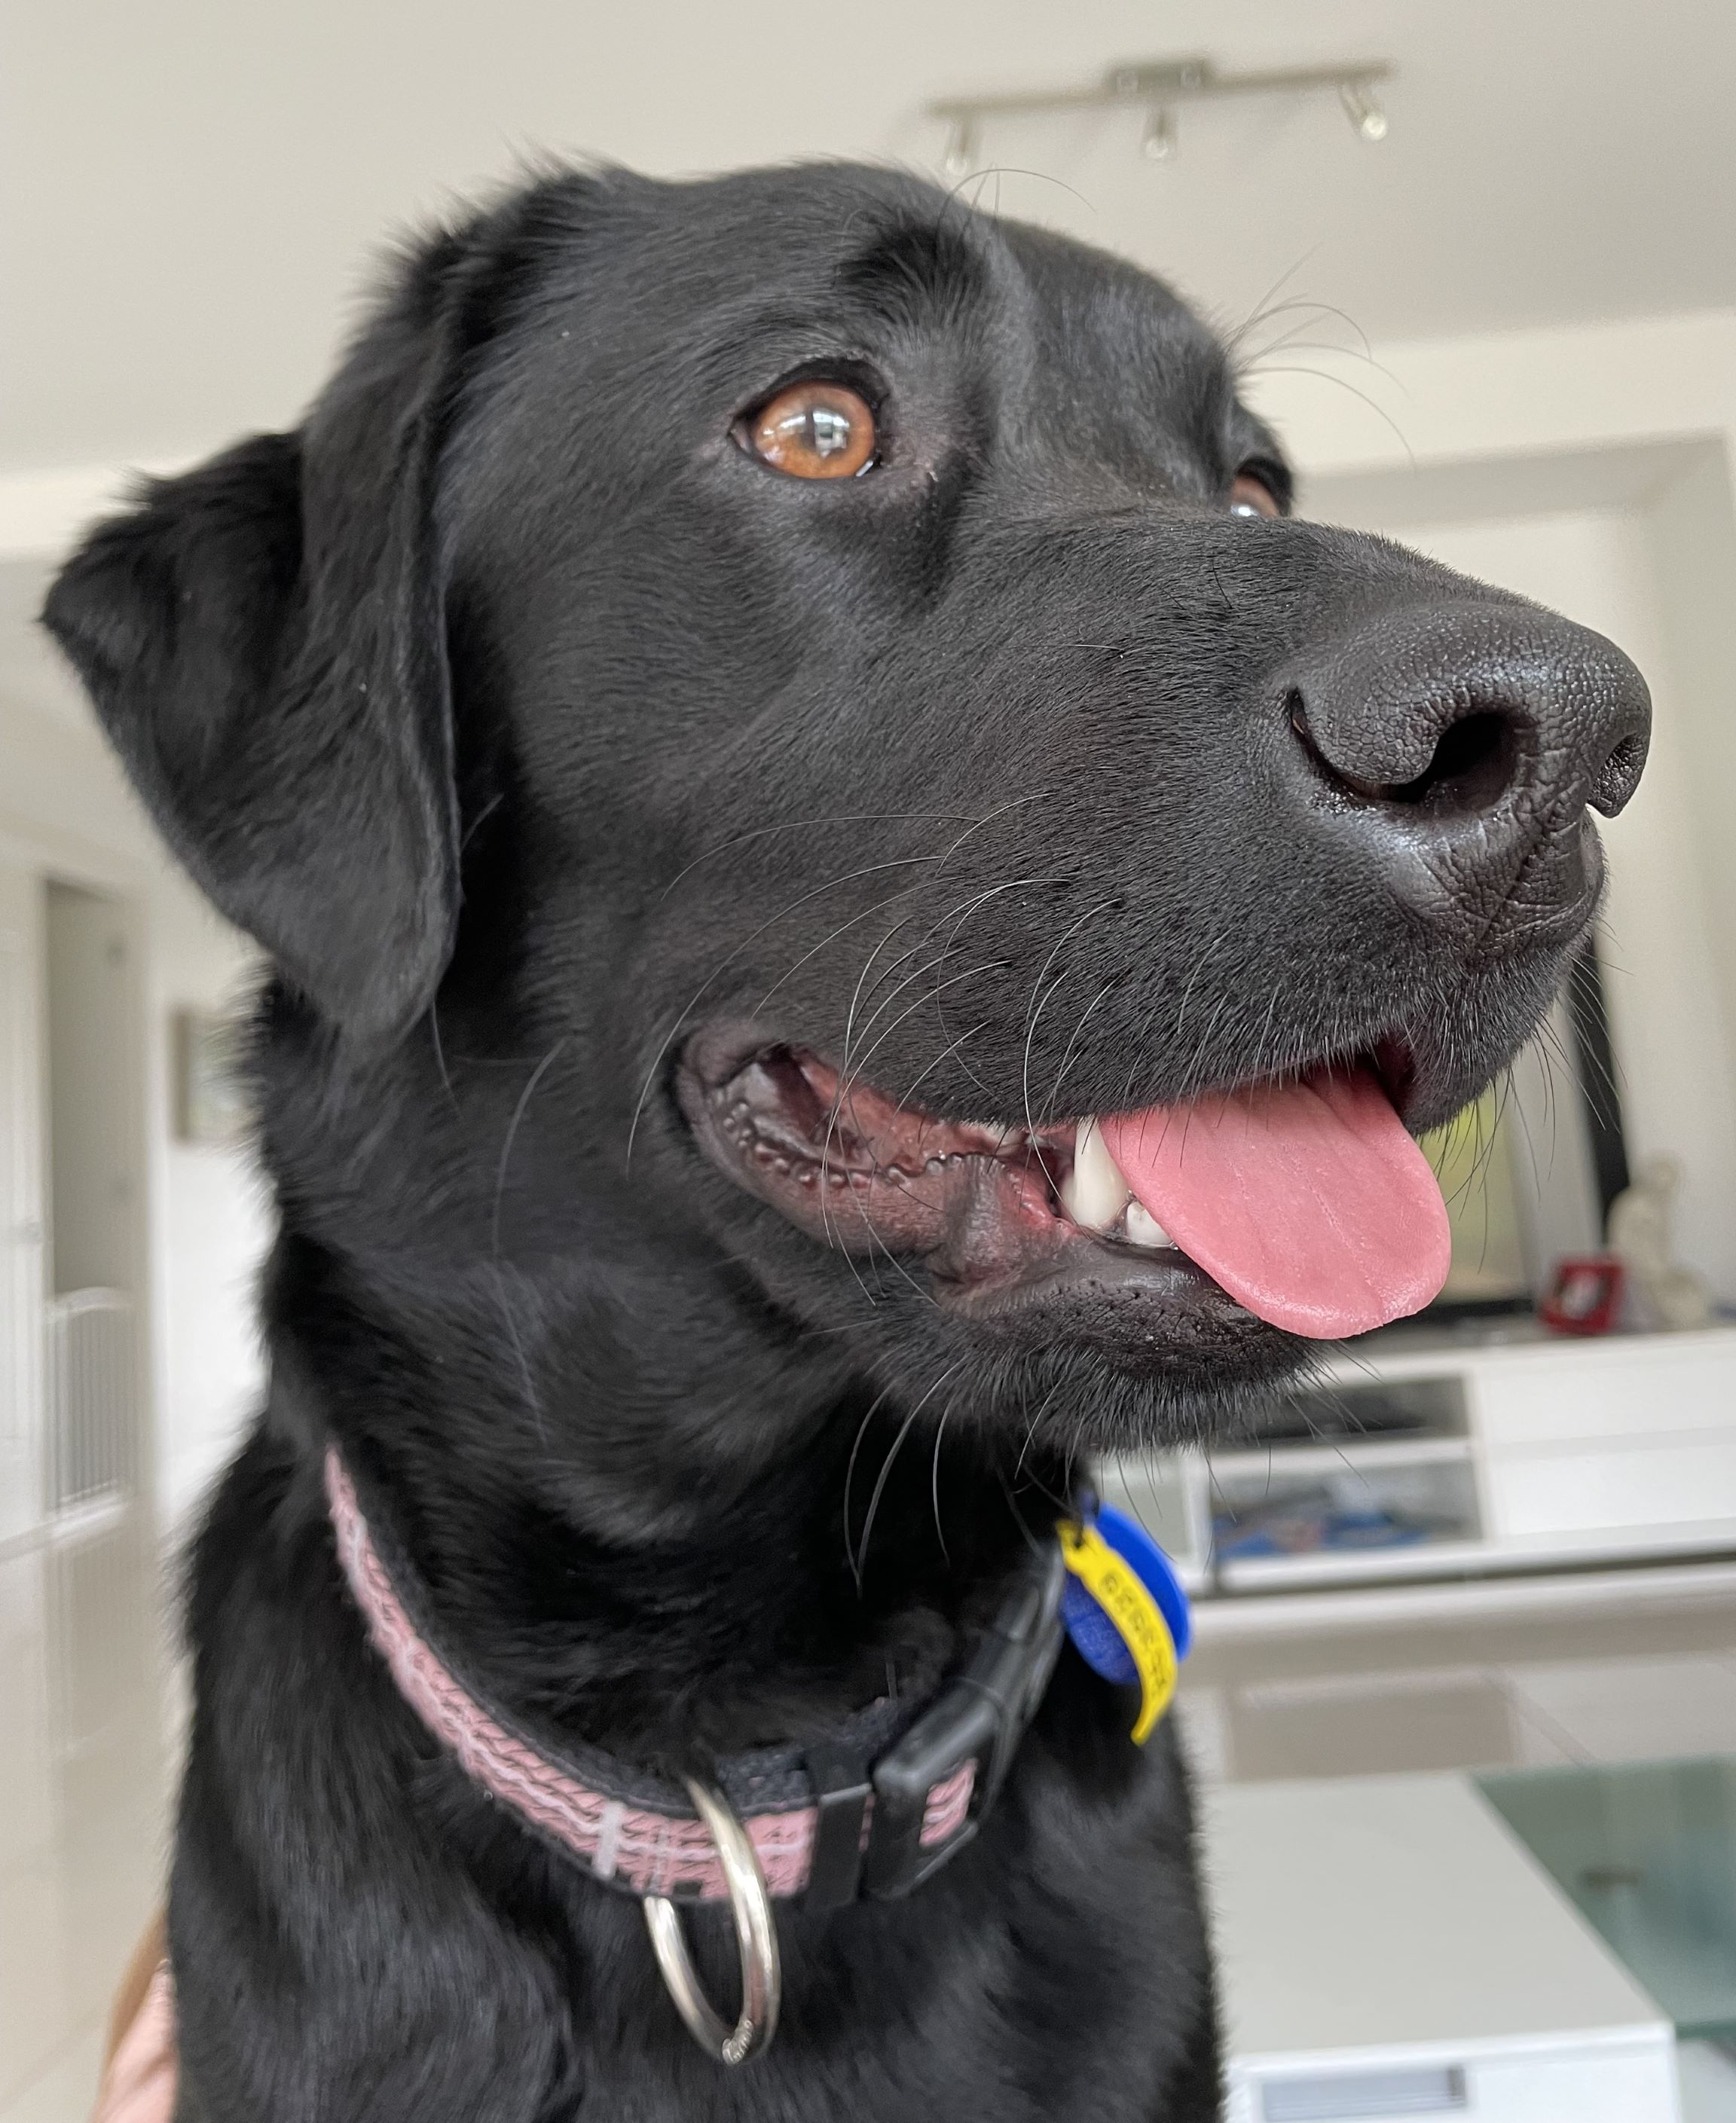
[1159,87]
[1158,143]
[1362,109]
[961,147]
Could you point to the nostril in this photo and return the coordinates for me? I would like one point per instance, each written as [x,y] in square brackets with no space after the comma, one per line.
[1471,768]
[1619,775]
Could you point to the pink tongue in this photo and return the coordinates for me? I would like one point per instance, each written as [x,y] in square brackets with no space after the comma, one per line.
[1308,1203]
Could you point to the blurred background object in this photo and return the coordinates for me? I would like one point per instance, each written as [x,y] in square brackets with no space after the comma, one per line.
[1641,1221]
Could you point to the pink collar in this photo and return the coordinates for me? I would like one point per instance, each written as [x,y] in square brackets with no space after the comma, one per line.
[641,1836]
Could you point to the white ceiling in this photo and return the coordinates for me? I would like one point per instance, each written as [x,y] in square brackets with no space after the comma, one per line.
[192,187]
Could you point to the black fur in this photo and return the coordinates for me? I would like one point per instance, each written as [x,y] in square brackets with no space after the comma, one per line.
[538,731]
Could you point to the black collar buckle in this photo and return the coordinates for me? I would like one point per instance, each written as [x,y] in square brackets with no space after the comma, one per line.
[979,1717]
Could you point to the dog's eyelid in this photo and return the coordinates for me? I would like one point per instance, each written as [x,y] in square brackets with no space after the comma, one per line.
[848,371]
[1258,481]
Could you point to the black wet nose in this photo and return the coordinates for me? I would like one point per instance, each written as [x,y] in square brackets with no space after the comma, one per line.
[1480,731]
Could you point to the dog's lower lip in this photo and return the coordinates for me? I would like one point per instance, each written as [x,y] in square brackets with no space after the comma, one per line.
[1396,1066]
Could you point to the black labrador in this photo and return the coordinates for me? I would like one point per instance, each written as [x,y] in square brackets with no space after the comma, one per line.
[746,709]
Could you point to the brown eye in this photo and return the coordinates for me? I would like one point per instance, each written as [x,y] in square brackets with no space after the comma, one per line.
[815,430]
[1252,497]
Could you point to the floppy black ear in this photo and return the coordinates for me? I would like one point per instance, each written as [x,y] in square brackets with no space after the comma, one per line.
[263,640]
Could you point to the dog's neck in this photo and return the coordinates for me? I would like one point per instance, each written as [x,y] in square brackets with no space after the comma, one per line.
[663,1532]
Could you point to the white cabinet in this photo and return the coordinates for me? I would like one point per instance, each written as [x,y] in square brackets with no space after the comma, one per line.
[1618,1436]
[1622,1387]
[1439,1457]
[1684,1491]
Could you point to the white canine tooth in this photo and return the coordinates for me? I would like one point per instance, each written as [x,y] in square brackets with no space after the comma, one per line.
[1143,1227]
[1095,1194]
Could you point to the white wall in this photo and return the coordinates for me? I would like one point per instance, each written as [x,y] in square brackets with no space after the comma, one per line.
[95,1178]
[1693,579]
[22,1208]
[1418,405]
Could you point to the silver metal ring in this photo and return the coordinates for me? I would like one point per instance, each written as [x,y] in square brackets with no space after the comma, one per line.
[756,1937]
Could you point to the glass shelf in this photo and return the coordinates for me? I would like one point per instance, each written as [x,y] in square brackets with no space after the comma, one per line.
[1646,1851]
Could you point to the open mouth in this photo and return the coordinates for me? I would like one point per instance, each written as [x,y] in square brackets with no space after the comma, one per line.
[1305,1204]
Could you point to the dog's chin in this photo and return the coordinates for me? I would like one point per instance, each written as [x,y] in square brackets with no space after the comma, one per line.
[974,1213]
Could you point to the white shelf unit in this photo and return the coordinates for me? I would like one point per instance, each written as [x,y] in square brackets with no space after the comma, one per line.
[1340,1455]
[1496,1449]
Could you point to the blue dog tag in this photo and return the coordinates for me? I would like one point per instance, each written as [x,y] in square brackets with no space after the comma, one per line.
[1097,1638]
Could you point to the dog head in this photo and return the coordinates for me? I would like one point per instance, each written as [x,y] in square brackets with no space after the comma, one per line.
[750,710]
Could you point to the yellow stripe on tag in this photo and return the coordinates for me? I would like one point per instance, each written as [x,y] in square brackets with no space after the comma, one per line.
[1138,1619]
